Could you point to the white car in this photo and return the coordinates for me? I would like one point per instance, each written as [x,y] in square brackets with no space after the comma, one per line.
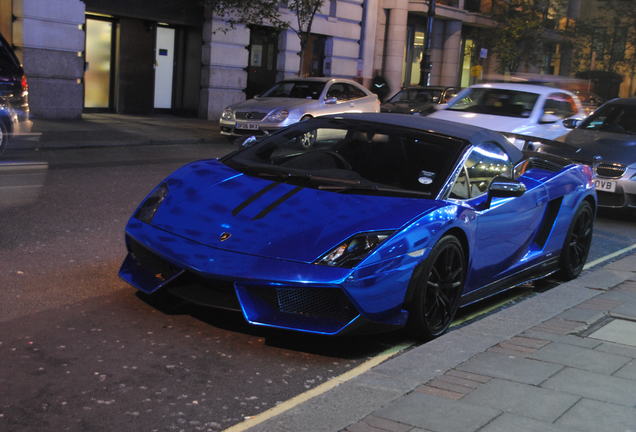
[296,99]
[522,109]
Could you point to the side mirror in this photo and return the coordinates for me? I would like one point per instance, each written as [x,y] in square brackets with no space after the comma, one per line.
[331,100]
[571,123]
[504,187]
[549,118]
[247,142]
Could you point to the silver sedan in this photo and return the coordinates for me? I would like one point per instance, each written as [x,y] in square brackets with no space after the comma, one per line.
[293,100]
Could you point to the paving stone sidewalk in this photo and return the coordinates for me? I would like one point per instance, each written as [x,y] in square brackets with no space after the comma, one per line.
[564,360]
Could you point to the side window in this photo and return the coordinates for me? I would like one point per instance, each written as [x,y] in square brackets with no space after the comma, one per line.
[559,104]
[486,162]
[338,91]
[354,92]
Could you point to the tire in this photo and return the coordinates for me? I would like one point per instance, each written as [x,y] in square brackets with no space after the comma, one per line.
[4,137]
[438,285]
[577,243]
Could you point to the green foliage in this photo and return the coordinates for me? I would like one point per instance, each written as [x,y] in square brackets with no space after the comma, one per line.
[525,28]
[606,37]
[256,12]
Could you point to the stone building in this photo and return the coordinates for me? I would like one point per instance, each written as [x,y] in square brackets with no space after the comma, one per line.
[143,56]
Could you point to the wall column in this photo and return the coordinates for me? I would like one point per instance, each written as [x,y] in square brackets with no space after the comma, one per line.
[49,38]
[224,58]
[395,44]
[452,46]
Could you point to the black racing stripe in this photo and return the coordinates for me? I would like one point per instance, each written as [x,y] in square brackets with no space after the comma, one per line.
[276,203]
[253,198]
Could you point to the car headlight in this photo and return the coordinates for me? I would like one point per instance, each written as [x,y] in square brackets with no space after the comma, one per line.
[228,114]
[353,250]
[149,207]
[277,116]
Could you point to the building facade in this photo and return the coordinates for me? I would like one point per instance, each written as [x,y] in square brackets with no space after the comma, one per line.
[144,56]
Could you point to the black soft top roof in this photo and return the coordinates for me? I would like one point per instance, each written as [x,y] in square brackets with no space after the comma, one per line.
[471,134]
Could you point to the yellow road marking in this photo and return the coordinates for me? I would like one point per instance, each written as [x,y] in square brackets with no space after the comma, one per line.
[316,391]
[372,362]
[609,256]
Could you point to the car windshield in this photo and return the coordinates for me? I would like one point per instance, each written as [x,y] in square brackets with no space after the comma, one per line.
[613,118]
[416,95]
[494,101]
[353,157]
[296,89]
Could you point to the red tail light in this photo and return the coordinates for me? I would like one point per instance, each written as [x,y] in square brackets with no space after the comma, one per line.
[25,84]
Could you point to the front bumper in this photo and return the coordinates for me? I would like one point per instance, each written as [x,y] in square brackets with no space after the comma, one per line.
[269,292]
[624,194]
[234,129]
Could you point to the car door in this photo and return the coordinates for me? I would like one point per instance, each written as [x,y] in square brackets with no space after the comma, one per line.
[504,230]
[359,101]
[556,107]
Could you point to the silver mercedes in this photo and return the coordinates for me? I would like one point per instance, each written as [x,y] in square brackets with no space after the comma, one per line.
[293,100]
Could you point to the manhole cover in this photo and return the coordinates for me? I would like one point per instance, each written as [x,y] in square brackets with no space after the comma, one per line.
[619,331]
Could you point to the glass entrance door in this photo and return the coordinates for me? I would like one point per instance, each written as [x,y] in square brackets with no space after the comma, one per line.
[97,75]
[164,67]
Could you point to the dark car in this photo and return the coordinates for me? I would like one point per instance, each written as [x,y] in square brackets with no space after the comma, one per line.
[610,132]
[14,95]
[418,100]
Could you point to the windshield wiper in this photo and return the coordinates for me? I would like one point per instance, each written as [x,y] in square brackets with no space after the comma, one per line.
[375,188]
[286,175]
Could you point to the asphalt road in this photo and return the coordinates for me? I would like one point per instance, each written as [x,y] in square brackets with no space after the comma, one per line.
[80,351]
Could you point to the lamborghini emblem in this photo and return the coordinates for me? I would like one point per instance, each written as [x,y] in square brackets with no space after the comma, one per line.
[224,236]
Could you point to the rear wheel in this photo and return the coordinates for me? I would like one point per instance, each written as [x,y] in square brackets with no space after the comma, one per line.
[438,287]
[577,243]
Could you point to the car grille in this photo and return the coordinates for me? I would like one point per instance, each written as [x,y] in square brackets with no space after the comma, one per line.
[314,302]
[249,115]
[151,262]
[610,170]
[196,289]
[609,199]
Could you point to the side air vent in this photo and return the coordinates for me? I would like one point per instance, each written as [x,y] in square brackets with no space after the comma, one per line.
[549,217]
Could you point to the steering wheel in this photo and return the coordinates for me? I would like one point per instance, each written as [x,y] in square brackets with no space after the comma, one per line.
[344,164]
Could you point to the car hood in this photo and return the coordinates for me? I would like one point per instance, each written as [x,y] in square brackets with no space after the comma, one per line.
[215,205]
[267,104]
[499,123]
[584,144]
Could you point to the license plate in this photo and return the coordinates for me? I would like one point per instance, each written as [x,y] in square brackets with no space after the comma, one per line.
[605,185]
[248,126]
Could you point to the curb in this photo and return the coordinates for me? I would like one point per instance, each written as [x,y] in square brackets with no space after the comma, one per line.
[354,400]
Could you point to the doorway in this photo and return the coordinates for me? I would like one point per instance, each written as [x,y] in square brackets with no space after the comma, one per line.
[164,67]
[98,63]
[261,71]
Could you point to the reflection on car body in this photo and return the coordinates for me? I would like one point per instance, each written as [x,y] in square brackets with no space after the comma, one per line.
[292,100]
[418,100]
[361,221]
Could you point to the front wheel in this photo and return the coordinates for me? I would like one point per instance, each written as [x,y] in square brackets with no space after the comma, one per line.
[438,287]
[577,243]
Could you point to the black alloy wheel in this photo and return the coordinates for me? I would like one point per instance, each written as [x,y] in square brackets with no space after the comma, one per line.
[439,283]
[577,243]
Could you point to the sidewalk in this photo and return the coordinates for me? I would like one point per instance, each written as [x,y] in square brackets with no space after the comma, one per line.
[106,130]
[564,360]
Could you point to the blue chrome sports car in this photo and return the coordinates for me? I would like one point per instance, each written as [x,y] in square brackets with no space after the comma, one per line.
[376,220]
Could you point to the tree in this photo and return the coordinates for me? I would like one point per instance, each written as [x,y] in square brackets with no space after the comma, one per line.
[236,12]
[305,11]
[524,31]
